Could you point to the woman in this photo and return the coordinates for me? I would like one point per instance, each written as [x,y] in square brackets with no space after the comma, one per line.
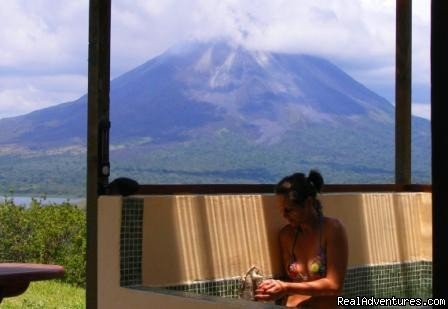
[314,247]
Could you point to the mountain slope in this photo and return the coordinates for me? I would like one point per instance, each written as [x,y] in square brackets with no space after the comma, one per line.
[200,85]
[217,112]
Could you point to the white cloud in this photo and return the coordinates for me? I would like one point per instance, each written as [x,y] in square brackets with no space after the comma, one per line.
[20,95]
[43,55]
[50,38]
[44,36]
[353,34]
[422,110]
[353,30]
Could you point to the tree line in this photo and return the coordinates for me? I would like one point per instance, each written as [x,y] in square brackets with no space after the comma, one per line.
[47,234]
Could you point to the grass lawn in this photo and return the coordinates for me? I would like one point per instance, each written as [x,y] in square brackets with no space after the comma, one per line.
[49,295]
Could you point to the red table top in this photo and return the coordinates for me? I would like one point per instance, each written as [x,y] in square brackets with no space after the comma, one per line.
[28,272]
[16,277]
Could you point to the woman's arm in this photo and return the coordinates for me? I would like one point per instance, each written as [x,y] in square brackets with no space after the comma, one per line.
[331,284]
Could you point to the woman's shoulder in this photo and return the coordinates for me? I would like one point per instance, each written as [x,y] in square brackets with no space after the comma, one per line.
[332,224]
[334,229]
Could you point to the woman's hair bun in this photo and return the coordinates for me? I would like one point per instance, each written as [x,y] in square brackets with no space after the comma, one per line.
[298,186]
[316,179]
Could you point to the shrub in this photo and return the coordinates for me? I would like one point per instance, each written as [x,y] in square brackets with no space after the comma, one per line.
[48,234]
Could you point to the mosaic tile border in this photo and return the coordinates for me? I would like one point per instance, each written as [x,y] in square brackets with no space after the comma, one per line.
[237,303]
[228,288]
[224,287]
[131,237]
[409,279]
[413,279]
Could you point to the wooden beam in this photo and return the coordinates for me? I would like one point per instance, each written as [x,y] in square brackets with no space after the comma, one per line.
[172,189]
[97,131]
[403,74]
[439,126]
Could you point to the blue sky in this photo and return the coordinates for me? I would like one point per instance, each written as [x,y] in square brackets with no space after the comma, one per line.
[43,55]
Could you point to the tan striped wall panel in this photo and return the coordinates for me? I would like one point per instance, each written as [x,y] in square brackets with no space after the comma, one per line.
[200,237]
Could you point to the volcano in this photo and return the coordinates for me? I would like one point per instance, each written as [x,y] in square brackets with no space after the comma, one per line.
[219,112]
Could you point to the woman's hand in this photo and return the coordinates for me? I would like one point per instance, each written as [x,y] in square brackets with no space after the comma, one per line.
[270,290]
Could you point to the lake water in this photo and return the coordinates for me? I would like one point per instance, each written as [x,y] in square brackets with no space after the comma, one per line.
[26,200]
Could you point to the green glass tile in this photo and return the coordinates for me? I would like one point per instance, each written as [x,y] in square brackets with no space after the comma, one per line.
[399,280]
[131,242]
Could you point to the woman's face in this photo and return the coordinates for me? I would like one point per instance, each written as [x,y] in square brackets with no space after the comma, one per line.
[295,214]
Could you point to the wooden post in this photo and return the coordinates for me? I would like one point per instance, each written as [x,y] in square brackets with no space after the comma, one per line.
[403,78]
[439,126]
[97,131]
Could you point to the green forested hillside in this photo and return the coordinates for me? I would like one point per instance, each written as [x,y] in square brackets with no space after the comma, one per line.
[343,155]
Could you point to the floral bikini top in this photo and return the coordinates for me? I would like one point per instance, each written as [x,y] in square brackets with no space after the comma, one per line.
[318,266]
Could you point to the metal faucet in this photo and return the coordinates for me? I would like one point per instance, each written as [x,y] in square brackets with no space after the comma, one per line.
[250,282]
